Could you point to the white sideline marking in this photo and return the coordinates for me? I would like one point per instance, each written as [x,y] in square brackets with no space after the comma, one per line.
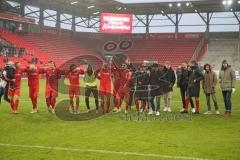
[102,151]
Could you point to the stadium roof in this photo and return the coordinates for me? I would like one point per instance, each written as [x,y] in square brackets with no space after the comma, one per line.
[87,8]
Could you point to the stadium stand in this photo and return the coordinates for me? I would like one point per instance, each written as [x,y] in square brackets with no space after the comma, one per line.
[47,46]
[219,49]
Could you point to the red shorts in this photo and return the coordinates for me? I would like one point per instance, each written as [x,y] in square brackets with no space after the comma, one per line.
[13,92]
[123,92]
[74,91]
[115,89]
[105,90]
[33,92]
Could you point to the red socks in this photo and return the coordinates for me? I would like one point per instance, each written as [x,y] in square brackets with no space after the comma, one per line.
[137,105]
[197,105]
[16,104]
[48,101]
[187,103]
[34,103]
[12,105]
[51,102]
[144,103]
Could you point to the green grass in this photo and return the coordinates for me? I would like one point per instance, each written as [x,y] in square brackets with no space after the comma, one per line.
[209,137]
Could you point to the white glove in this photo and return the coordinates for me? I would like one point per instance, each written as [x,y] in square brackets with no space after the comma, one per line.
[233,90]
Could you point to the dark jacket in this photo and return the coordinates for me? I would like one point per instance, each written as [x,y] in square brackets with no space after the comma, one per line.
[168,80]
[142,86]
[155,83]
[182,78]
[194,87]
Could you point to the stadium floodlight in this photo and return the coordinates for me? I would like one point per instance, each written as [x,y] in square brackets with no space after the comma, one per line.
[96,13]
[224,2]
[179,4]
[238,2]
[90,7]
[229,2]
[74,2]
[187,4]
[170,4]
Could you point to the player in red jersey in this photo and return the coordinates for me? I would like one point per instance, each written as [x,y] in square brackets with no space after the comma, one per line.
[104,74]
[116,82]
[33,83]
[74,87]
[14,90]
[124,89]
[52,76]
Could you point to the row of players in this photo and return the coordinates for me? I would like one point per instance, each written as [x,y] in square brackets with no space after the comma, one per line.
[146,84]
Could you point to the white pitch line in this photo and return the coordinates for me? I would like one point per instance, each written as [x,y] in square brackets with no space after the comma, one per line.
[102,151]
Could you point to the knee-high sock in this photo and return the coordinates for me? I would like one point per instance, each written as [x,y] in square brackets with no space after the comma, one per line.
[53,102]
[187,103]
[48,102]
[96,103]
[77,103]
[16,104]
[137,105]
[34,102]
[127,104]
[119,103]
[197,104]
[144,103]
[12,104]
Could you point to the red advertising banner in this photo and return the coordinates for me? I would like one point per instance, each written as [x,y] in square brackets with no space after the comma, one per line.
[16,18]
[116,23]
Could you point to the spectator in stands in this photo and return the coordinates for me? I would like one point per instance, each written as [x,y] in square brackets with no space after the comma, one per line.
[169,80]
[209,85]
[227,81]
[195,77]
[182,83]
[155,89]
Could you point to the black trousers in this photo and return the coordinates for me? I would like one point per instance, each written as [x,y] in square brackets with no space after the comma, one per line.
[88,92]
[183,91]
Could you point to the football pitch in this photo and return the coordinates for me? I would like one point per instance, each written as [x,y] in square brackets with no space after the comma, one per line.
[43,136]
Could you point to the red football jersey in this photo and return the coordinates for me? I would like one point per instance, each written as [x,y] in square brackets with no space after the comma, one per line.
[125,78]
[52,76]
[33,77]
[105,77]
[74,77]
[18,76]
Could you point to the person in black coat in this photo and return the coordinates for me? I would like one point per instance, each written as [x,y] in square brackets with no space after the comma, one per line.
[193,90]
[141,93]
[132,82]
[182,83]
[155,88]
[168,81]
[7,75]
